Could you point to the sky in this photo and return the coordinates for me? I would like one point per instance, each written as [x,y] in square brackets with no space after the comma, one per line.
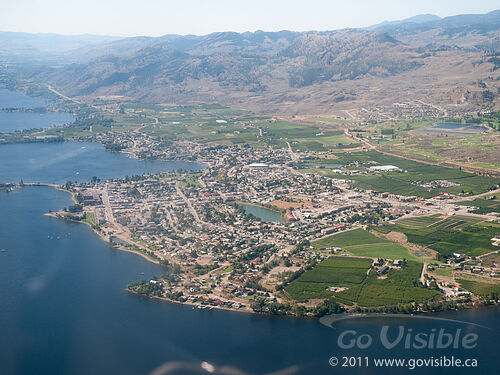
[160,17]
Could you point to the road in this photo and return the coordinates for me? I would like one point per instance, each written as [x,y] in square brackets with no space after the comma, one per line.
[50,88]
[293,155]
[497,191]
[422,274]
[447,163]
[170,219]
[188,203]
[108,211]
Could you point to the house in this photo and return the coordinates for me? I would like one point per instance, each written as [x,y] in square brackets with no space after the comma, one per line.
[385,168]
[382,270]
[444,196]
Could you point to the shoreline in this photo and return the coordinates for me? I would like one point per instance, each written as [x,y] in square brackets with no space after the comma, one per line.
[282,215]
[201,306]
[57,215]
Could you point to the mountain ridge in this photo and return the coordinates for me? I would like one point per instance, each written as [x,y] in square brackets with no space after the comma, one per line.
[293,72]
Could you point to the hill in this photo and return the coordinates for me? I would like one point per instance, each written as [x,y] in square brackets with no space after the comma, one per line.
[450,63]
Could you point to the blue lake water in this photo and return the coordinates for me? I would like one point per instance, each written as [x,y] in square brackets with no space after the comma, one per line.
[64,310]
[16,99]
[63,161]
[13,121]
[264,214]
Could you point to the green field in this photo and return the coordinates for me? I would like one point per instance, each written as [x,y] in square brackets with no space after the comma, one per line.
[420,222]
[400,286]
[483,206]
[414,174]
[359,242]
[205,123]
[381,250]
[455,234]
[348,238]
[481,288]
[333,120]
[448,272]
[334,271]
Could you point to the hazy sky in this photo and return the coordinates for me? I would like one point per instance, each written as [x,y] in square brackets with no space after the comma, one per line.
[159,17]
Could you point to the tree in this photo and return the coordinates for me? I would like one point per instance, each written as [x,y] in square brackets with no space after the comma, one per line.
[328,306]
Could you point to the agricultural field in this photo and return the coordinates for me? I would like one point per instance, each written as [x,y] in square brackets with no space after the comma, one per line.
[399,287]
[360,242]
[363,287]
[446,272]
[389,250]
[483,206]
[487,288]
[454,234]
[206,123]
[420,221]
[414,176]
[332,120]
[334,271]
[477,149]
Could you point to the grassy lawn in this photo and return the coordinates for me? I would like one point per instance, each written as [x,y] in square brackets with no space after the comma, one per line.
[359,242]
[455,234]
[190,182]
[227,269]
[382,250]
[448,272]
[90,219]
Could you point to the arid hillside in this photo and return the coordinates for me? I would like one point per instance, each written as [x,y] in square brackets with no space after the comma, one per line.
[451,64]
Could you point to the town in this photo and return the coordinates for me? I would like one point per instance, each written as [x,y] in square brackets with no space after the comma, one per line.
[238,231]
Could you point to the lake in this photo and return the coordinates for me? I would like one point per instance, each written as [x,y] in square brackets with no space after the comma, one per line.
[263,213]
[14,121]
[59,162]
[64,310]
[16,99]
[451,128]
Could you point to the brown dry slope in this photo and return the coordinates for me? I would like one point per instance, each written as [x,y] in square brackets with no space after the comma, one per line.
[451,64]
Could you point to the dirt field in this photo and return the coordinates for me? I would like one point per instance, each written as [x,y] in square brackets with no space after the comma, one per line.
[286,205]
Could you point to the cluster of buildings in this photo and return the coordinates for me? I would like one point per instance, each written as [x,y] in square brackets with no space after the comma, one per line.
[197,220]
[198,223]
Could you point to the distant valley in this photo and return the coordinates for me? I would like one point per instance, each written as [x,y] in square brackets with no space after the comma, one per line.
[452,63]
